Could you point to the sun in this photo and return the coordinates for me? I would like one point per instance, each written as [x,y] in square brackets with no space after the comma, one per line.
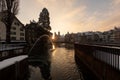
[53,36]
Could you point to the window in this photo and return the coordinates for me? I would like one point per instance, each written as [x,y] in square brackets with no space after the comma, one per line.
[14,28]
[21,29]
[13,38]
[13,33]
[16,23]
[21,38]
[21,34]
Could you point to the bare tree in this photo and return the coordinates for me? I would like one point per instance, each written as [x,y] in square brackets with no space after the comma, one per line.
[9,8]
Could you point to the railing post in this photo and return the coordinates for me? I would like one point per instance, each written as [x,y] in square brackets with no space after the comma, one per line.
[17,71]
[107,64]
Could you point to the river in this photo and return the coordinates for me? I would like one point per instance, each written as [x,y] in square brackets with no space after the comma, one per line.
[63,66]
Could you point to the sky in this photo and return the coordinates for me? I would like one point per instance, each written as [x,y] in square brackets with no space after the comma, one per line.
[73,15]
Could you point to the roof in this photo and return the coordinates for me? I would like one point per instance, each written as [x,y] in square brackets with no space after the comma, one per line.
[3,13]
[19,20]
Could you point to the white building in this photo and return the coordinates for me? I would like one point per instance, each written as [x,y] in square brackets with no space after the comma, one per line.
[115,37]
[17,31]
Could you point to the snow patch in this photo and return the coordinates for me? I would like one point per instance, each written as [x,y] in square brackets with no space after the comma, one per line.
[8,62]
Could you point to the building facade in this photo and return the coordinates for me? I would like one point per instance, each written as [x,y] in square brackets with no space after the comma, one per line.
[17,31]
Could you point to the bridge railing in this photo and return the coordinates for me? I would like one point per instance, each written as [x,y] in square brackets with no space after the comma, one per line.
[11,50]
[107,54]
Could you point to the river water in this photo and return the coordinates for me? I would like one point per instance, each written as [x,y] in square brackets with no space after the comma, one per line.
[63,66]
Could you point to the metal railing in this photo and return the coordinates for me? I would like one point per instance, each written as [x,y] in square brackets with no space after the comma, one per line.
[11,50]
[107,54]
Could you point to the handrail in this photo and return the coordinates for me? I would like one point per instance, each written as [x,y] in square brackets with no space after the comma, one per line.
[109,55]
[11,50]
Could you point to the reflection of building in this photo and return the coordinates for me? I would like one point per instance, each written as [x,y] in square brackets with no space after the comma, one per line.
[17,30]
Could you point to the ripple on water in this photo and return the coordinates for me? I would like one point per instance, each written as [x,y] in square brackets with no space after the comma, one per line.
[63,66]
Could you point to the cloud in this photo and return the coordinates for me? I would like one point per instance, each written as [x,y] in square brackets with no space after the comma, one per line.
[113,19]
[63,13]
[77,18]
[74,15]
[116,2]
[111,22]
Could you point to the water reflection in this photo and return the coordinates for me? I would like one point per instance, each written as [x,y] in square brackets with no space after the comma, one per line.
[60,64]
[64,45]
[53,47]
[63,66]
[69,46]
[40,57]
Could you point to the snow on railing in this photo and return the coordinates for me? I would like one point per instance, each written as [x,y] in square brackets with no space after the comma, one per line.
[8,62]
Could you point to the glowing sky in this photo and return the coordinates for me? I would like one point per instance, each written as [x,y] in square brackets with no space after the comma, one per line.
[73,15]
